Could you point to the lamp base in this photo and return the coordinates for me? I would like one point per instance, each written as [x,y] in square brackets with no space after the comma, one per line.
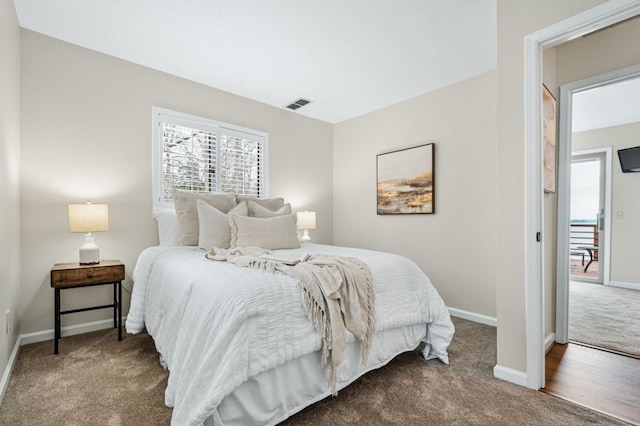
[89,251]
[305,237]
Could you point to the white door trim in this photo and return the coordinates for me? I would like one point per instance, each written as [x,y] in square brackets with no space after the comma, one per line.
[564,185]
[591,20]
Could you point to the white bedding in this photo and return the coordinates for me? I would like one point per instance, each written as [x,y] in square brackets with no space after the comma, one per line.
[217,325]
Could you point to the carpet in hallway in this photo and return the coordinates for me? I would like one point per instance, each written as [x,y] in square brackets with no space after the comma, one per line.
[605,316]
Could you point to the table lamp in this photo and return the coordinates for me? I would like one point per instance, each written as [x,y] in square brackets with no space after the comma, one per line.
[306,221]
[89,218]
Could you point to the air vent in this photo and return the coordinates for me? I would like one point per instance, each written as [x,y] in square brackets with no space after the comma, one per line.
[297,104]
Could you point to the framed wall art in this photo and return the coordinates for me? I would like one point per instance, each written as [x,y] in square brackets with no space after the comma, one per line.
[549,132]
[406,181]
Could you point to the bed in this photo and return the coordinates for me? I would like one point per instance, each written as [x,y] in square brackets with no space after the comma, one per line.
[237,342]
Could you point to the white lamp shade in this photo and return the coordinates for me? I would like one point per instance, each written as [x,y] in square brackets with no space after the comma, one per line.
[306,220]
[88,217]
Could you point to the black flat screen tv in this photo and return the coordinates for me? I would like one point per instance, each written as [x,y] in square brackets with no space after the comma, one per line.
[629,159]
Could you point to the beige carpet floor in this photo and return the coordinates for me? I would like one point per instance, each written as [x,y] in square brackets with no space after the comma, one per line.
[98,381]
[605,316]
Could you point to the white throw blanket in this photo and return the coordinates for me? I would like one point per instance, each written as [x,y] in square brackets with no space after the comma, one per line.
[338,296]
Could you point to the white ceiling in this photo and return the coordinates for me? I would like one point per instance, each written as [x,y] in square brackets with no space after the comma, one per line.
[606,106]
[348,57]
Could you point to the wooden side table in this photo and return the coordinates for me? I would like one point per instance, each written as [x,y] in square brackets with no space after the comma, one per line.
[73,275]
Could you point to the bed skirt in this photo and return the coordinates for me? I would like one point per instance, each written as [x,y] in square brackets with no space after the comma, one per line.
[276,394]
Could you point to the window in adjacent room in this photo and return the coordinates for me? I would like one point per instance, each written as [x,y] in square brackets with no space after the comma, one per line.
[202,155]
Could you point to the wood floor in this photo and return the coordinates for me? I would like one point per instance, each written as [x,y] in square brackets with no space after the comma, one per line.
[577,269]
[603,381]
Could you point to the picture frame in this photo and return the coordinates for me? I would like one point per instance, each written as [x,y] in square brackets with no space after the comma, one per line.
[406,181]
[549,139]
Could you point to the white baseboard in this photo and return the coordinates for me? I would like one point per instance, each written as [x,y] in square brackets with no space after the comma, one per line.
[630,286]
[549,341]
[72,330]
[6,376]
[472,316]
[510,375]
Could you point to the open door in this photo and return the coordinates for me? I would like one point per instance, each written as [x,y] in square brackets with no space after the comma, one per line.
[587,255]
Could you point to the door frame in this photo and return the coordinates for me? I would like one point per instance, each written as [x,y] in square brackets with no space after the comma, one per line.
[594,19]
[564,189]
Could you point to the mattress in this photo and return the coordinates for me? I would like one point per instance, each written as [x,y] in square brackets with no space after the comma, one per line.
[233,337]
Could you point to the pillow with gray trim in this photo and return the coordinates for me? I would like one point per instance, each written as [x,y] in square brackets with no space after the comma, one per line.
[214,225]
[187,212]
[256,210]
[270,233]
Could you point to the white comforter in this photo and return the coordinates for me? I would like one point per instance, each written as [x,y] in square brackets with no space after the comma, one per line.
[217,324]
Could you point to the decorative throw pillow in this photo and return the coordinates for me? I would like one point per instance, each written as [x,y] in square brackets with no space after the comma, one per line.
[187,212]
[271,233]
[167,228]
[256,210]
[214,225]
[270,203]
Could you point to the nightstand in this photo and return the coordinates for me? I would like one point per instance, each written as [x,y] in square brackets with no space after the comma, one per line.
[65,276]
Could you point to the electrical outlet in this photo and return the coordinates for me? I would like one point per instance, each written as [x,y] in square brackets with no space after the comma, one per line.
[8,322]
[620,215]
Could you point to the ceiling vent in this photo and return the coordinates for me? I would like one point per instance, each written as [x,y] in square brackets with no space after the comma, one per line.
[298,104]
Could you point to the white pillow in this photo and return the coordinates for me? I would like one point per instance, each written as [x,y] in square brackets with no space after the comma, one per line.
[214,225]
[167,228]
[187,212]
[256,210]
[271,233]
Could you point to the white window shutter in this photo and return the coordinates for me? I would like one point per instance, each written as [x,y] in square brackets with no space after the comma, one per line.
[241,162]
[201,155]
[188,160]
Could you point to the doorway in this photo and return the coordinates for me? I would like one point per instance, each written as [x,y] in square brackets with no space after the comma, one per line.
[596,313]
[591,314]
[591,20]
[566,252]
[588,210]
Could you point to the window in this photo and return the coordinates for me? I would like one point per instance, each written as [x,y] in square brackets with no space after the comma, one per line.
[201,155]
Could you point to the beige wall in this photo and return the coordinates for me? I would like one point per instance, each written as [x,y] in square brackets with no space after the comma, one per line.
[516,19]
[625,197]
[456,246]
[9,175]
[600,52]
[86,134]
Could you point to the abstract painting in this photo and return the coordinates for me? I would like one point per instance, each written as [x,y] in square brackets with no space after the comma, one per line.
[406,181]
[549,139]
